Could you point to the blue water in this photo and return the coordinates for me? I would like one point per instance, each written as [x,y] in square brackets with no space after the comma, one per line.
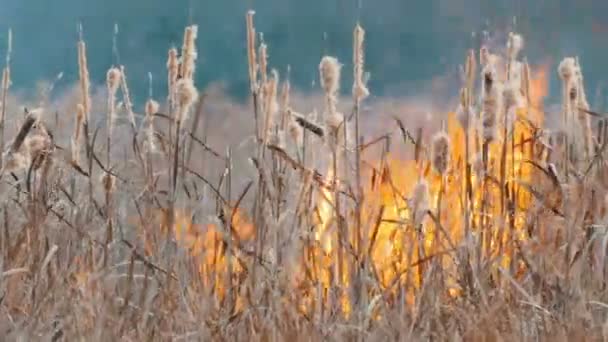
[408,42]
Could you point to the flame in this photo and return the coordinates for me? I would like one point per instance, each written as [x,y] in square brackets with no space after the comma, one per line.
[397,252]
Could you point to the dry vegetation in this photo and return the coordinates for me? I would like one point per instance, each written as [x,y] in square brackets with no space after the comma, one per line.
[120,225]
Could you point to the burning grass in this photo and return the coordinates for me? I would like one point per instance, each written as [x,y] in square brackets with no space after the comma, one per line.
[488,227]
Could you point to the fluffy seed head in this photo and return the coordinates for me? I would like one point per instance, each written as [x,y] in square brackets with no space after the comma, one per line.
[263,63]
[189,53]
[420,202]
[108,181]
[492,102]
[186,93]
[440,153]
[113,78]
[251,53]
[567,68]
[335,121]
[514,45]
[83,72]
[295,131]
[329,69]
[151,107]
[360,91]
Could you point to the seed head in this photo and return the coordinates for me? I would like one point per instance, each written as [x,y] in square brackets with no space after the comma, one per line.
[151,107]
[113,79]
[440,153]
[108,181]
[420,202]
[514,45]
[567,68]
[329,70]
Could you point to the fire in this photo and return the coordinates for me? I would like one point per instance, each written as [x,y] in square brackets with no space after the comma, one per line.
[398,250]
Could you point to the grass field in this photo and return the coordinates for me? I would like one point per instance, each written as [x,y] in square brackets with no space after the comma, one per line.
[304,217]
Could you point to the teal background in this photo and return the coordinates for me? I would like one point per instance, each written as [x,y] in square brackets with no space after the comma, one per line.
[408,42]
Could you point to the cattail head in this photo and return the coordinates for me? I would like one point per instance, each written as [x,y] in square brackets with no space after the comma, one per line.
[567,68]
[526,78]
[294,129]
[464,112]
[189,53]
[38,147]
[477,165]
[272,104]
[420,202]
[335,121]
[37,143]
[113,79]
[84,77]
[514,45]
[152,107]
[263,63]
[360,91]
[186,95]
[173,64]
[108,181]
[251,53]
[440,153]
[486,58]
[329,70]
[492,102]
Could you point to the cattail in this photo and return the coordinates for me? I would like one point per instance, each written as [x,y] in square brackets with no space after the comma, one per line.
[263,63]
[360,91]
[108,181]
[152,108]
[294,128]
[583,118]
[477,166]
[514,45]
[37,147]
[284,102]
[84,78]
[486,58]
[186,95]
[329,70]
[126,96]
[270,103]
[525,83]
[514,100]
[76,138]
[470,70]
[464,112]
[492,102]
[6,83]
[420,202]
[567,68]
[251,54]
[113,79]
[335,121]
[189,53]
[172,72]
[440,153]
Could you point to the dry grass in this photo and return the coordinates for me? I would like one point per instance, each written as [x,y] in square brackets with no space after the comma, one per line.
[481,226]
